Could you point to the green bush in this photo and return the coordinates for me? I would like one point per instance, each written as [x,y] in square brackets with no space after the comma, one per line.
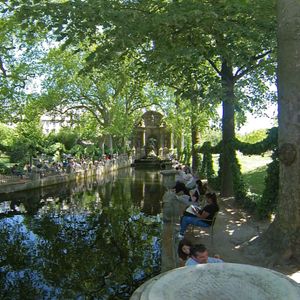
[4,169]
[266,204]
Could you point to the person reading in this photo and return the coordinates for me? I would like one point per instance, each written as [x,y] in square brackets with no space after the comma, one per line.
[192,210]
[203,218]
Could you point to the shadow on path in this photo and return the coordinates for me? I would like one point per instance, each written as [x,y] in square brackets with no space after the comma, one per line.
[234,229]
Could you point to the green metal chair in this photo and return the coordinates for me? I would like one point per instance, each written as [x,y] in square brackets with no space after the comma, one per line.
[209,229]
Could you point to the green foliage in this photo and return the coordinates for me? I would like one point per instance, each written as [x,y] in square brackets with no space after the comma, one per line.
[6,137]
[238,182]
[254,136]
[214,136]
[54,149]
[28,142]
[18,149]
[264,205]
[69,141]
[186,158]
[116,54]
[66,136]
[268,143]
[4,169]
[93,151]
[77,151]
[255,179]
[18,64]
[268,203]
[207,170]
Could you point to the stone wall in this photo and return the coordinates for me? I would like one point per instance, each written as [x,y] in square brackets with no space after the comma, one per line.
[37,181]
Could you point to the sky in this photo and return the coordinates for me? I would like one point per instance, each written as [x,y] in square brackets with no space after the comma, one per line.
[266,121]
[254,123]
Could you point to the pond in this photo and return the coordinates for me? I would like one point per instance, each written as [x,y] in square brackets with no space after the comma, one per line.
[94,239]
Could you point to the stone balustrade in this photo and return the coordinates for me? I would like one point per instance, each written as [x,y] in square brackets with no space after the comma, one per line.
[42,177]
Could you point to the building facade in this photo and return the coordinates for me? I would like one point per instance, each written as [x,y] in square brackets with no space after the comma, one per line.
[152,137]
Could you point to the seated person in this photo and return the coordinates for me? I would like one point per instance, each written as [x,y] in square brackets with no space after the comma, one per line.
[203,218]
[187,169]
[199,191]
[180,176]
[15,170]
[199,255]
[191,210]
[183,251]
[181,188]
[194,194]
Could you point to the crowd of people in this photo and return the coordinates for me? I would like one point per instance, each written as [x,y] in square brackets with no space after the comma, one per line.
[201,210]
[202,205]
[67,165]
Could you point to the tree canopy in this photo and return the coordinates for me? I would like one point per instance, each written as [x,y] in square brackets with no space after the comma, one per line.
[110,59]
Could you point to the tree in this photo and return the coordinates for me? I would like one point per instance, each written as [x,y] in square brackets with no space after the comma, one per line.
[6,137]
[29,138]
[18,57]
[282,239]
[235,38]
[111,97]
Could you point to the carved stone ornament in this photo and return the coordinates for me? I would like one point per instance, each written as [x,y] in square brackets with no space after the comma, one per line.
[287,153]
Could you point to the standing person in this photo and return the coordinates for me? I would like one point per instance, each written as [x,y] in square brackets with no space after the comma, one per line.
[203,218]
[199,255]
[183,251]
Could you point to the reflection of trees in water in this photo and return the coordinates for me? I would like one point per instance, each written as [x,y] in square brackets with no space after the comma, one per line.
[143,187]
[148,190]
[95,255]
[32,200]
[88,243]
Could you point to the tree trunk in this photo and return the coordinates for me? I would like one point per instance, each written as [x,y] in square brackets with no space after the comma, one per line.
[195,133]
[110,143]
[124,145]
[180,146]
[283,235]
[228,131]
[102,146]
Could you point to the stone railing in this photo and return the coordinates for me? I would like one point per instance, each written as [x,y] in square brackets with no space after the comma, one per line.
[42,177]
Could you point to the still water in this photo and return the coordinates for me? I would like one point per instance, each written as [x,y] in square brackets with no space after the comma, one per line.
[96,239]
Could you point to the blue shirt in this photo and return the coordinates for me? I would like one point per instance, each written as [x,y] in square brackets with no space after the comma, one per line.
[210,260]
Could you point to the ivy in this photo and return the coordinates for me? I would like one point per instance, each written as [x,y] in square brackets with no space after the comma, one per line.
[267,144]
[268,202]
[207,166]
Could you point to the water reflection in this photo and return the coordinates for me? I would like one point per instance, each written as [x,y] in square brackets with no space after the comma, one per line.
[91,240]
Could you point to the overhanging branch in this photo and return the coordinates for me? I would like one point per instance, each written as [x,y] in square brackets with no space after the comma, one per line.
[251,65]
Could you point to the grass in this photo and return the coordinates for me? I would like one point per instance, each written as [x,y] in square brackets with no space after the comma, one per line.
[253,168]
[255,179]
[252,162]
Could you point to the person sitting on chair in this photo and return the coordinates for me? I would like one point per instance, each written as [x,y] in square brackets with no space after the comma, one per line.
[199,255]
[180,188]
[203,218]
[197,193]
